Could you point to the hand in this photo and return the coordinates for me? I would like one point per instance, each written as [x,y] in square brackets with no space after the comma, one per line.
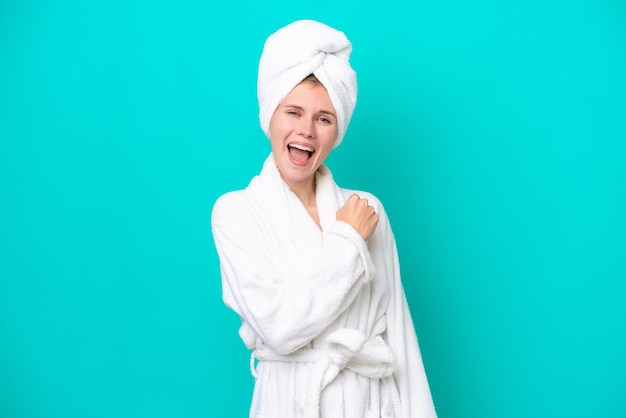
[360,215]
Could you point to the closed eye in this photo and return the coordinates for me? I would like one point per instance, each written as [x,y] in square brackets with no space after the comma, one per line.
[327,118]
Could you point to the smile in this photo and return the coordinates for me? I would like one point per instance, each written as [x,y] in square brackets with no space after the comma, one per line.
[300,153]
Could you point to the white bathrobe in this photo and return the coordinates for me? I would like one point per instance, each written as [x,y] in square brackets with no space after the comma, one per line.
[323,311]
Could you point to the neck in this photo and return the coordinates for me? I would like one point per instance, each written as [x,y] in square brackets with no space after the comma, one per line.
[305,190]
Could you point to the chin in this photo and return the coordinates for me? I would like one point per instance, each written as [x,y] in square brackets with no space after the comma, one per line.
[298,177]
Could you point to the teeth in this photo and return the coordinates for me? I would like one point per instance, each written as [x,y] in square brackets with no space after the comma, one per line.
[302,147]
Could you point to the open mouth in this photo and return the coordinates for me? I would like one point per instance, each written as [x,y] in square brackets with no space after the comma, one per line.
[299,152]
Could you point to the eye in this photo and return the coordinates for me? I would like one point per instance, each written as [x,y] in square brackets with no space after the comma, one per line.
[325,120]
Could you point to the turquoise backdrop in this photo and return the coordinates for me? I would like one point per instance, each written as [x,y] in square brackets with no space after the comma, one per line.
[494,133]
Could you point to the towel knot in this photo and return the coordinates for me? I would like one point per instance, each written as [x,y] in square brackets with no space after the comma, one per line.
[352,350]
[343,346]
[298,50]
[347,349]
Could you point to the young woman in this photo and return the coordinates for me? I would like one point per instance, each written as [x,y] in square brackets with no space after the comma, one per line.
[312,269]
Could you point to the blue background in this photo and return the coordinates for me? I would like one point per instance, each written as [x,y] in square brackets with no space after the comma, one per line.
[494,133]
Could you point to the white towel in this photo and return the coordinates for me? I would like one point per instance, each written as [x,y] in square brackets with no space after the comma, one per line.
[347,348]
[294,52]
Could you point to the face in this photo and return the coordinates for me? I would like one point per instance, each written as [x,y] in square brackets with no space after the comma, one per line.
[303,130]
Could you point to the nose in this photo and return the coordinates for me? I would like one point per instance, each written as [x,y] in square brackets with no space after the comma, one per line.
[306,128]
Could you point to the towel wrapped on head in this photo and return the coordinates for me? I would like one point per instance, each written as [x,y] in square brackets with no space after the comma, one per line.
[294,52]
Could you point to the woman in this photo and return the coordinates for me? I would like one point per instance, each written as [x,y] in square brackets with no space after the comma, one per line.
[312,269]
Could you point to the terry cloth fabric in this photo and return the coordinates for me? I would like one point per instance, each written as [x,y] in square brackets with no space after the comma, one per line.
[294,52]
[301,291]
[347,349]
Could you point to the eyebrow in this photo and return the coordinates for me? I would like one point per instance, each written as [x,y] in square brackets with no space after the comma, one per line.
[325,112]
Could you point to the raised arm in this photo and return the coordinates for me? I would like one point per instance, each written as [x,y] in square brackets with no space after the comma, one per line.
[286,308]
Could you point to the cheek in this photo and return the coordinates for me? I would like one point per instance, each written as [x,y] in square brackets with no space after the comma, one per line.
[274,134]
[330,139]
[326,148]
[275,144]
[279,128]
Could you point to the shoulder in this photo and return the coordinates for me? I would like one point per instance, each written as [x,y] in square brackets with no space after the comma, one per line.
[371,198]
[230,205]
[383,232]
[229,199]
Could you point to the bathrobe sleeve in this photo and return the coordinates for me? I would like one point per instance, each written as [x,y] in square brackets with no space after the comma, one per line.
[286,310]
[410,377]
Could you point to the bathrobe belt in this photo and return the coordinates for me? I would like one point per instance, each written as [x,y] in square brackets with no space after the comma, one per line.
[347,349]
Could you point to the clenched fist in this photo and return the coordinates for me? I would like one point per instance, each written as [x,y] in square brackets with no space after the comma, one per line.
[360,215]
